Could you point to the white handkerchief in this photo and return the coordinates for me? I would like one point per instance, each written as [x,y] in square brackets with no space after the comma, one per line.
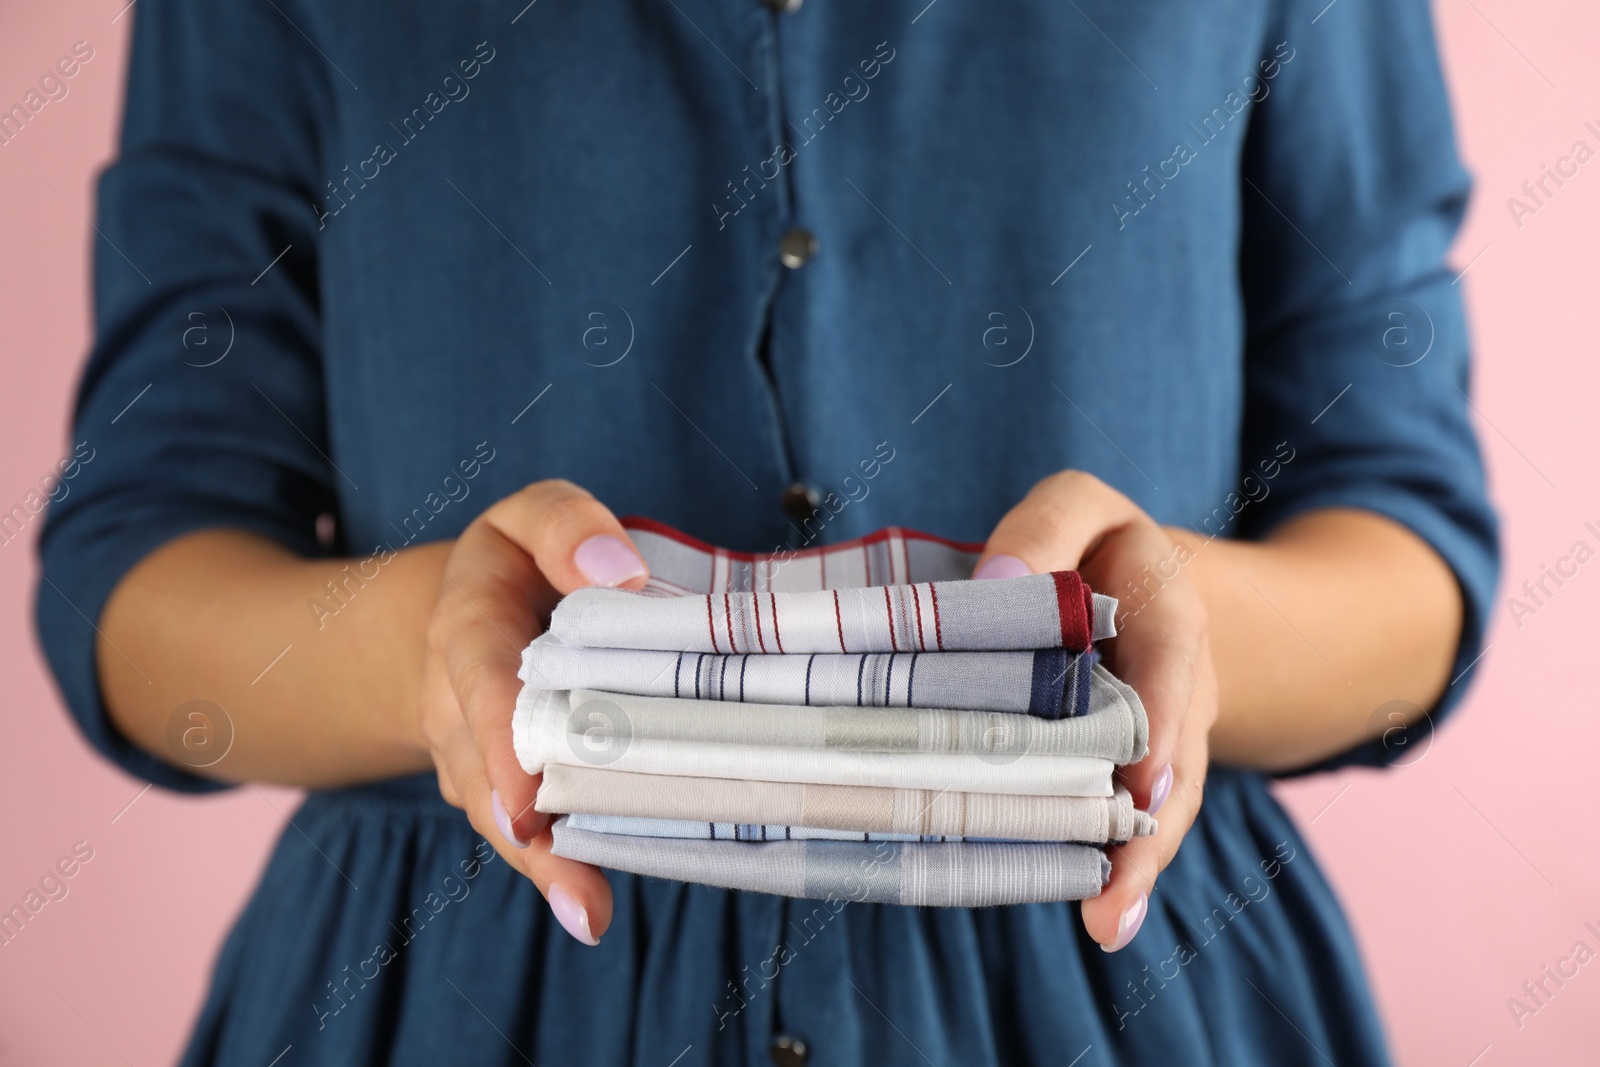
[548,731]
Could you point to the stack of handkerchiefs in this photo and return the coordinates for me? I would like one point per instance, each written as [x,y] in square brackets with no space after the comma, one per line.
[857,722]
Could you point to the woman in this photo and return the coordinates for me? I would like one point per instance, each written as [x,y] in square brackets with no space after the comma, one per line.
[384,286]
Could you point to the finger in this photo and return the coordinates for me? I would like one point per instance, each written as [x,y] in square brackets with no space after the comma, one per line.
[481,624]
[459,760]
[505,574]
[1161,670]
[578,894]
[1074,520]
[438,714]
[1158,648]
[514,816]
[1054,527]
[483,677]
[447,788]
[1114,917]
[572,537]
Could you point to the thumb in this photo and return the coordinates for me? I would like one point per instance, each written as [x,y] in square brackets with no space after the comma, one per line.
[573,538]
[1054,527]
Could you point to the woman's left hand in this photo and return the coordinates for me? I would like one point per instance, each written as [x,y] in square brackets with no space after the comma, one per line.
[1074,521]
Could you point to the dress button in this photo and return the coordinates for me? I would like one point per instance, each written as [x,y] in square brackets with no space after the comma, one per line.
[789,1051]
[797,247]
[784,7]
[800,501]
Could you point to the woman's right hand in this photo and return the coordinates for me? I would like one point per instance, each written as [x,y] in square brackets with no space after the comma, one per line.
[503,577]
[1073,520]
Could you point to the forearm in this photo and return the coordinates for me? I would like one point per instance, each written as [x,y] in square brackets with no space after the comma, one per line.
[206,618]
[1313,630]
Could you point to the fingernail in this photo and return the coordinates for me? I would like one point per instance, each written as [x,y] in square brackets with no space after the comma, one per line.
[571,915]
[502,820]
[1161,790]
[1129,924]
[606,561]
[1001,567]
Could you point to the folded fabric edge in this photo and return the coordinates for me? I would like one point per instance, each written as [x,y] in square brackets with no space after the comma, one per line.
[589,618]
[1105,617]
[1144,825]
[1108,690]
[687,830]
[524,720]
[1141,718]
[618,798]
[609,851]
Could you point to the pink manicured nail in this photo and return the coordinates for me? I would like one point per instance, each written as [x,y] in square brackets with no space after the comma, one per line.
[1002,567]
[604,560]
[1129,924]
[571,915]
[503,821]
[1161,790]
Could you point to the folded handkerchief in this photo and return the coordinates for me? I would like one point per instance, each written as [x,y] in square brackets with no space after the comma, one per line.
[966,875]
[1114,728]
[598,791]
[544,735]
[1034,611]
[682,830]
[1052,683]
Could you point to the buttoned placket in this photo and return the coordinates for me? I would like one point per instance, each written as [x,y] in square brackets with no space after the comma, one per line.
[797,245]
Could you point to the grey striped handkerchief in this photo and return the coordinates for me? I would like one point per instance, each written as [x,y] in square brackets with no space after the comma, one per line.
[963,875]
[679,830]
[1115,727]
[912,812]
[1049,683]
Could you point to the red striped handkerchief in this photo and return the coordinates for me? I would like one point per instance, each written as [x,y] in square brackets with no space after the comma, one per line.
[891,591]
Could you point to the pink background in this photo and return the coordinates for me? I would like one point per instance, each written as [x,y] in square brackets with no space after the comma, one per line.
[1462,873]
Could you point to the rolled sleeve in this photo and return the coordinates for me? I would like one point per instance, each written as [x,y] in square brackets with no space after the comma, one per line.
[208,248]
[1358,357]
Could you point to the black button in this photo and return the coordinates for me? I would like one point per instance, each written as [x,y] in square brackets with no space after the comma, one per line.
[800,501]
[784,7]
[797,247]
[789,1051]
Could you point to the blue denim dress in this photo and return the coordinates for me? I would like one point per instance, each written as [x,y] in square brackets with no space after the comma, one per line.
[386,262]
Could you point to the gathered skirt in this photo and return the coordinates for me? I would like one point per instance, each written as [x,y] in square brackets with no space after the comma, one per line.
[386,931]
